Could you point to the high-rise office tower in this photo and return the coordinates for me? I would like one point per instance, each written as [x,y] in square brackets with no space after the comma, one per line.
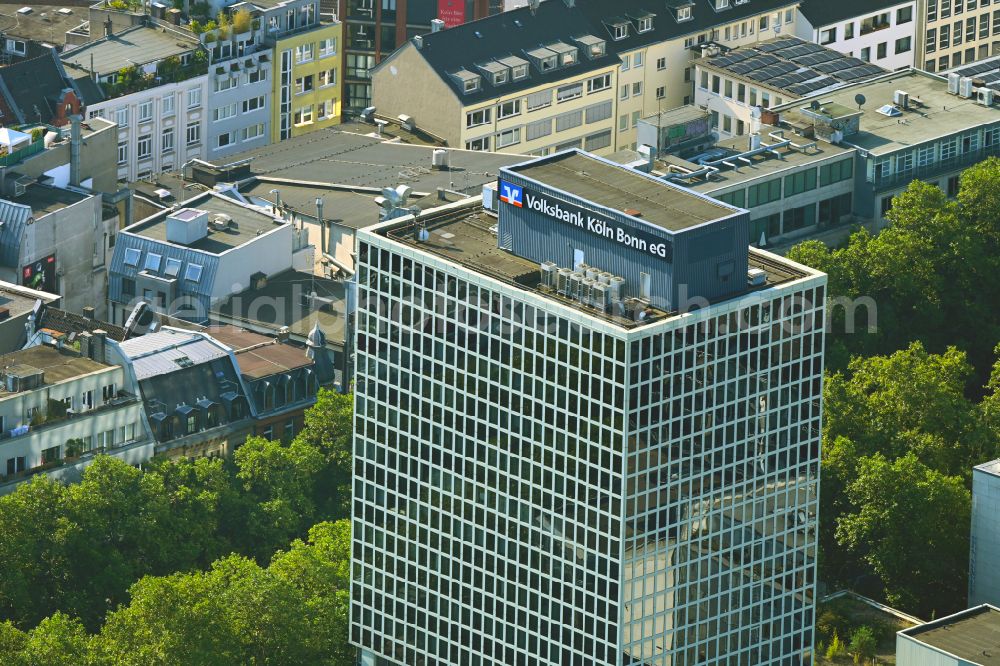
[587,430]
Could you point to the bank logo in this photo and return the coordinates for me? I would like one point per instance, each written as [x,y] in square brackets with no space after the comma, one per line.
[511,194]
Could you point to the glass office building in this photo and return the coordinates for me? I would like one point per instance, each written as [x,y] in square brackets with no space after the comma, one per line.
[545,475]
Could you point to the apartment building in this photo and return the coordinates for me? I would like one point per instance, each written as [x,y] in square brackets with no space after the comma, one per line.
[38,90]
[306,90]
[557,460]
[152,82]
[957,32]
[555,76]
[882,32]
[736,86]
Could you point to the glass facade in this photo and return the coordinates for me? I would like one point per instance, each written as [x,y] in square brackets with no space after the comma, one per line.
[534,485]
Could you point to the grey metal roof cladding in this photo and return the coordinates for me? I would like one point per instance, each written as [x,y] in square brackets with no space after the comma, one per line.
[824,12]
[139,45]
[13,218]
[520,30]
[165,351]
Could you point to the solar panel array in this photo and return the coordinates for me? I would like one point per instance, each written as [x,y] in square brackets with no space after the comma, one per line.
[797,66]
[988,72]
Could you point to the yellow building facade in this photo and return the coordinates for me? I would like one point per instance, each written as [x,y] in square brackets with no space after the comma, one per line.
[306,81]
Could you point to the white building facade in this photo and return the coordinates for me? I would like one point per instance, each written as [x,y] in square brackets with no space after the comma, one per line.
[883,33]
[984,544]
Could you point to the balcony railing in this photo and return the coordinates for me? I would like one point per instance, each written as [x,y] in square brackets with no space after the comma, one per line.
[121,399]
[935,169]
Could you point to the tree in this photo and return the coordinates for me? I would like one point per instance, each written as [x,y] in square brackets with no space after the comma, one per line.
[329,427]
[908,401]
[910,524]
[59,640]
[863,644]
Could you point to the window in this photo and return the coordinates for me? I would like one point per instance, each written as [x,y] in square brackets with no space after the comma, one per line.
[509,137]
[836,172]
[949,149]
[904,15]
[304,52]
[828,36]
[303,115]
[660,92]
[849,30]
[626,62]
[638,60]
[172,268]
[509,109]
[225,84]
[519,72]
[881,50]
[763,193]
[597,141]
[226,139]
[152,262]
[167,105]
[121,116]
[328,47]
[480,117]
[253,104]
[763,22]
[598,112]
[931,40]
[645,24]
[623,123]
[193,272]
[16,46]
[193,133]
[635,118]
[194,97]
[728,89]
[482,143]
[620,31]
[636,88]
[661,64]
[732,198]
[327,77]
[569,120]
[683,13]
[800,182]
[566,93]
[540,99]
[538,129]
[599,83]
[303,84]
[144,147]
[123,152]
[128,288]
[257,76]
[167,142]
[797,218]
[145,111]
[132,256]
[224,112]
[255,131]
[624,92]
[903,44]
[716,84]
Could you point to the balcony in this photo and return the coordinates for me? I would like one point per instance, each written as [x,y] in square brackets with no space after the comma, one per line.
[868,27]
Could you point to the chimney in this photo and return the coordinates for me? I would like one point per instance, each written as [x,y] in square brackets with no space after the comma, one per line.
[109,27]
[88,312]
[437,25]
[75,141]
[418,41]
[86,345]
[99,341]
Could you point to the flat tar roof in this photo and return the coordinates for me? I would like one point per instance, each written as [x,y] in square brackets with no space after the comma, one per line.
[341,206]
[139,45]
[972,635]
[44,199]
[58,365]
[762,165]
[249,221]
[934,115]
[619,188]
[463,236]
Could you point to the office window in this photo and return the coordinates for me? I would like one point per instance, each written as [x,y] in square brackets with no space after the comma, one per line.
[732,198]
[836,172]
[193,97]
[167,141]
[193,133]
[797,218]
[800,182]
[509,137]
[144,147]
[598,112]
[762,193]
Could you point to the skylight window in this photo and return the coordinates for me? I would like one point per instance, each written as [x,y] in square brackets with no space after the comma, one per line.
[193,272]
[173,268]
[132,256]
[152,262]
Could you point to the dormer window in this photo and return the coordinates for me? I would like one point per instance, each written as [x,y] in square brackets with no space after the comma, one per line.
[500,78]
[618,27]
[646,24]
[721,4]
[496,72]
[518,67]
[544,59]
[471,85]
[519,72]
[593,47]
[620,31]
[567,54]
[683,13]
[470,81]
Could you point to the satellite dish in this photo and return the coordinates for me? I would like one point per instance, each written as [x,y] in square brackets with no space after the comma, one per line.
[860,99]
[814,105]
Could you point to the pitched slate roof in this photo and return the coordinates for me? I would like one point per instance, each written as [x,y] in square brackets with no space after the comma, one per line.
[821,13]
[33,86]
[513,33]
[63,321]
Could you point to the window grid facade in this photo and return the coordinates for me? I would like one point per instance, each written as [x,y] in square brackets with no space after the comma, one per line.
[533,485]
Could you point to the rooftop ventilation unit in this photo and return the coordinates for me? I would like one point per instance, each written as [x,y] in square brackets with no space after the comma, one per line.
[953,79]
[440,159]
[549,271]
[984,96]
[901,99]
[965,87]
[756,277]
[406,122]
